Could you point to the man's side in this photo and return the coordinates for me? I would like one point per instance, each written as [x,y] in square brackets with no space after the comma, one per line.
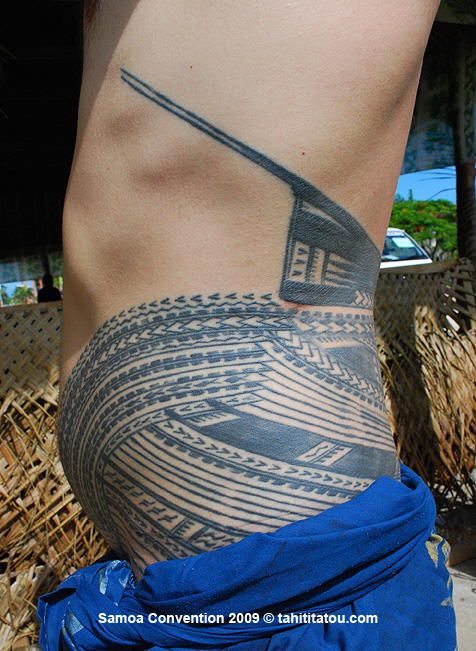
[232,181]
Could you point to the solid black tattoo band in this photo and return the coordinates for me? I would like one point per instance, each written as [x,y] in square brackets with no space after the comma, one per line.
[330,259]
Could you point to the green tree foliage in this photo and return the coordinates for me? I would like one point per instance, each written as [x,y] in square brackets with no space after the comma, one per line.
[22,294]
[431,223]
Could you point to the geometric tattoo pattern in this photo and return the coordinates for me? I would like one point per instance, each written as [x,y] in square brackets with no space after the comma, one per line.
[189,423]
[329,257]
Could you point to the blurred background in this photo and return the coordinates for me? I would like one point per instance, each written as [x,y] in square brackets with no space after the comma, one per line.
[40,73]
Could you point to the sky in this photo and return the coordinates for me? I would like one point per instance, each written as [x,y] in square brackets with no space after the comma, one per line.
[431,184]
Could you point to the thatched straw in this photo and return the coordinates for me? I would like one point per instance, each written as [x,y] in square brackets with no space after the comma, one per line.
[45,536]
[426,327]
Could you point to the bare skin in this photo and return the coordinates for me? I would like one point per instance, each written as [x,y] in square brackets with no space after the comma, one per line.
[156,208]
[324,89]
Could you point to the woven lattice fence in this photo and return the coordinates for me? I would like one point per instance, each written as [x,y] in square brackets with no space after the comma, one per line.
[30,340]
[426,332]
[426,324]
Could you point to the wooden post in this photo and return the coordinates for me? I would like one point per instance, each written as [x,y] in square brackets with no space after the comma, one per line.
[466,209]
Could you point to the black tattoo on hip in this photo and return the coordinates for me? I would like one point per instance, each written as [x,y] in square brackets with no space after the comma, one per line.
[189,423]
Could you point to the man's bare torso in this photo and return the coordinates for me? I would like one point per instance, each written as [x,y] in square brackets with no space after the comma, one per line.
[233,175]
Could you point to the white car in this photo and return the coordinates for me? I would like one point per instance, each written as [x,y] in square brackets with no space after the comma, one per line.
[401,250]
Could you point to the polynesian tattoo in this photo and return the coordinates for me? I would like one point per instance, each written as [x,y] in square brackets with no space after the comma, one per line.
[190,422]
[330,259]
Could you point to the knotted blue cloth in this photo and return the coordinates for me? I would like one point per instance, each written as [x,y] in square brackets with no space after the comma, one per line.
[376,554]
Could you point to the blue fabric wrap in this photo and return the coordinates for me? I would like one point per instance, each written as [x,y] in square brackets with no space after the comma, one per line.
[374,554]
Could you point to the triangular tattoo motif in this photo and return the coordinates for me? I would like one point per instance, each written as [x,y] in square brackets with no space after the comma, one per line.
[329,257]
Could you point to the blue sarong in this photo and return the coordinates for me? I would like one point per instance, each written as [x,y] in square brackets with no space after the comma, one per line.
[376,554]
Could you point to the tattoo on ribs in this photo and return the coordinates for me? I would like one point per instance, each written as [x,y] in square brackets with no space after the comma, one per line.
[189,423]
[329,259]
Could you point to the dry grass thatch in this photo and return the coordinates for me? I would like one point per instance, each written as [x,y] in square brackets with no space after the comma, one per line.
[429,370]
[426,333]
[44,534]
